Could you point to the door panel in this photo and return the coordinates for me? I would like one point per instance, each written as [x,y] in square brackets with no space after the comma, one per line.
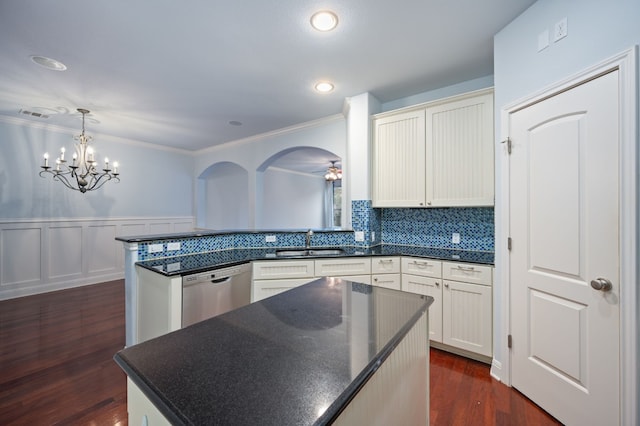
[564,171]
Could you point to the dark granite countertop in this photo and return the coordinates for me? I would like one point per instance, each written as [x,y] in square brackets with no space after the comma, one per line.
[212,233]
[294,358]
[200,262]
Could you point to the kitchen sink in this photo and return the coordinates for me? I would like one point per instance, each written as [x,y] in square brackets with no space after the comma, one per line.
[291,253]
[309,252]
[326,252]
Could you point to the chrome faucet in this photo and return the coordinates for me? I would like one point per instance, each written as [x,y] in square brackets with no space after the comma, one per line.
[308,239]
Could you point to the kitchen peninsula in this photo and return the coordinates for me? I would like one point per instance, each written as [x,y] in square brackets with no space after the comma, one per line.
[331,351]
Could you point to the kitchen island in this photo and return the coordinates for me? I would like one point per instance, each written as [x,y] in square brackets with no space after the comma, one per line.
[331,351]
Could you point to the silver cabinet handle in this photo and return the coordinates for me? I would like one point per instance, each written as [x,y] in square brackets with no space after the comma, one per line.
[601,284]
[466,268]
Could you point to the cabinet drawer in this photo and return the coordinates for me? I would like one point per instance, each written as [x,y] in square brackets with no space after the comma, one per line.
[275,269]
[422,267]
[387,281]
[385,265]
[342,267]
[469,273]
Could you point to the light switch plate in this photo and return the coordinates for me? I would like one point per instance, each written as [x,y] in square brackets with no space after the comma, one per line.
[373,235]
[270,239]
[455,238]
[560,30]
[155,248]
[359,235]
[173,246]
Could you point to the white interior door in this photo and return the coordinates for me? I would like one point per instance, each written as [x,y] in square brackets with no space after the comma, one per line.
[564,213]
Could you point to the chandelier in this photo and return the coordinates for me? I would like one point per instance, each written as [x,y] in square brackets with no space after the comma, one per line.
[82,174]
[333,173]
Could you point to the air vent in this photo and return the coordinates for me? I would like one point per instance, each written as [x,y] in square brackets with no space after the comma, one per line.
[33,114]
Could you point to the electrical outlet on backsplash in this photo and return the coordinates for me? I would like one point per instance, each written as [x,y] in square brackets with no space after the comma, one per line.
[427,227]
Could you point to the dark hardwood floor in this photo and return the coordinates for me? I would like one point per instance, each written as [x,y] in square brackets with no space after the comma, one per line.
[56,368]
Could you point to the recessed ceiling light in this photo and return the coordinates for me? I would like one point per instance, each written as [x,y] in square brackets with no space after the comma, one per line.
[49,63]
[324,87]
[235,123]
[324,20]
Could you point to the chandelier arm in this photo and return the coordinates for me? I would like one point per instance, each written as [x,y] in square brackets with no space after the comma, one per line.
[60,177]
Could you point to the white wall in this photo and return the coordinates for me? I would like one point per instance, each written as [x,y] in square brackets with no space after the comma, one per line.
[597,30]
[226,197]
[292,200]
[328,133]
[153,180]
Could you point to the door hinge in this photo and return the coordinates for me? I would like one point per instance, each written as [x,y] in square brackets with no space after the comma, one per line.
[509,243]
[509,341]
[508,142]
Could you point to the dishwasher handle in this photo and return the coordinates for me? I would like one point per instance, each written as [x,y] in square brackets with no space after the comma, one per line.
[221,280]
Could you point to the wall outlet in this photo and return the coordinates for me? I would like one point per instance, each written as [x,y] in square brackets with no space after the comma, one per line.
[173,246]
[455,238]
[155,248]
[270,239]
[359,235]
[373,235]
[560,30]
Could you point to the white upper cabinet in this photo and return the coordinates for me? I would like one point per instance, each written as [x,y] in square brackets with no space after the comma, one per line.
[439,154]
[398,160]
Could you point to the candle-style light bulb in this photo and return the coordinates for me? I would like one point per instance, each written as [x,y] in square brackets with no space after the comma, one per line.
[115,167]
[57,164]
[75,157]
[62,150]
[46,159]
[106,162]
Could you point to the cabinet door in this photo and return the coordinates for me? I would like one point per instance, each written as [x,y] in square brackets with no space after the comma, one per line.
[261,289]
[343,267]
[391,281]
[467,314]
[429,287]
[459,152]
[398,176]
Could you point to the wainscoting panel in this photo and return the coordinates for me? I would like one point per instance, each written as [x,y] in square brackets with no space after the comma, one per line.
[65,252]
[41,255]
[21,258]
[104,257]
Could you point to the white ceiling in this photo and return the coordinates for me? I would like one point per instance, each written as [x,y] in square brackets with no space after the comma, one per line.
[175,73]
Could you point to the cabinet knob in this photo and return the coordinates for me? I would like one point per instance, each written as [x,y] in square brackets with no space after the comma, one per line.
[446,285]
[429,203]
[437,284]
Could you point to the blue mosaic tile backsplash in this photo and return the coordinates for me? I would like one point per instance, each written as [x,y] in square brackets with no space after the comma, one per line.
[427,227]
[433,227]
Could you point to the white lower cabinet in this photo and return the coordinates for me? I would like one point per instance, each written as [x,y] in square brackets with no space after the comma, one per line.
[275,276]
[467,317]
[461,316]
[428,286]
[385,272]
[350,266]
[262,289]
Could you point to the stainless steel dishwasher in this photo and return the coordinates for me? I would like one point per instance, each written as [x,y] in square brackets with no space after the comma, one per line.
[207,294]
